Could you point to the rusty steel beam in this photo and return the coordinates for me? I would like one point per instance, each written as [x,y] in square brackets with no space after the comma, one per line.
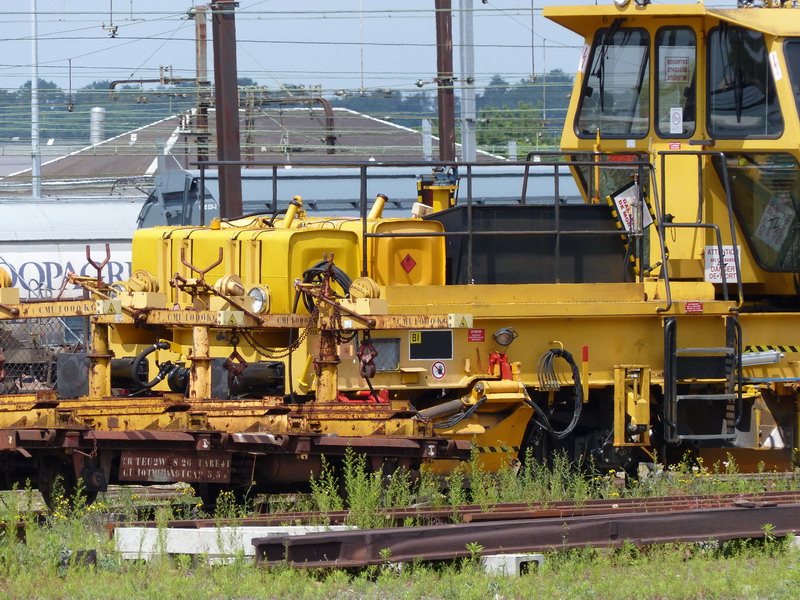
[444,80]
[186,318]
[226,90]
[50,308]
[362,548]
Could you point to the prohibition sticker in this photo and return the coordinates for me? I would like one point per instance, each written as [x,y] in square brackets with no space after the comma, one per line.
[438,369]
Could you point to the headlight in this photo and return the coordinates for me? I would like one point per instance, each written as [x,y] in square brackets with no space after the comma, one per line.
[261,299]
[505,336]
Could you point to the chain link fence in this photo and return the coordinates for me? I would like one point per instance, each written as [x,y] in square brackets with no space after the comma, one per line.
[30,347]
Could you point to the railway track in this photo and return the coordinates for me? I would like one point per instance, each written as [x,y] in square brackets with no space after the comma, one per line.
[638,521]
[443,533]
[473,513]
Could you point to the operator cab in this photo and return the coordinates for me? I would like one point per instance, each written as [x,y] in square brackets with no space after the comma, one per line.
[711,98]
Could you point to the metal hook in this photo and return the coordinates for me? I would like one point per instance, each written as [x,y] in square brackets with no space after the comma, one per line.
[201,272]
[99,267]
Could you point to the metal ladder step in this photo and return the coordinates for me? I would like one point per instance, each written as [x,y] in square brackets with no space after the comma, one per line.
[705,397]
[723,351]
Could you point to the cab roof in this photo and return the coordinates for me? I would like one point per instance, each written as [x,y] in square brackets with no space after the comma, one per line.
[584,20]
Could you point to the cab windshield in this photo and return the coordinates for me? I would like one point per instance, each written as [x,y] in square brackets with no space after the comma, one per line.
[616,92]
[792,50]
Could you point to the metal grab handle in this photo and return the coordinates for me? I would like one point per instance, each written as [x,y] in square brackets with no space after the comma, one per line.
[99,267]
[201,272]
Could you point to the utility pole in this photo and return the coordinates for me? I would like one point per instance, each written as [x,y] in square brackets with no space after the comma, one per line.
[198,13]
[226,91]
[36,156]
[444,80]
[467,56]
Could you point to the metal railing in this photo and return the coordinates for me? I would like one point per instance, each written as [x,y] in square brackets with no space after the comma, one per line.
[698,223]
[561,162]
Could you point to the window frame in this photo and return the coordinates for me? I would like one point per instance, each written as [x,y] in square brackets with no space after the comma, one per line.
[657,82]
[711,46]
[647,81]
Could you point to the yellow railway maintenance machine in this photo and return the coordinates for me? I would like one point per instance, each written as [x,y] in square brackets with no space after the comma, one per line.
[656,317]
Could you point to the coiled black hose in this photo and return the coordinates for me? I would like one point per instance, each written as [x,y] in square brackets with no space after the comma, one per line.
[163,371]
[311,275]
[316,274]
[547,377]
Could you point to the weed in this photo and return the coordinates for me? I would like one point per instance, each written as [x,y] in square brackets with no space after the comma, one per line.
[456,492]
[325,489]
[363,490]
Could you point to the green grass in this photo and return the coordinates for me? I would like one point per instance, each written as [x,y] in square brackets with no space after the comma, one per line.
[47,565]
[675,571]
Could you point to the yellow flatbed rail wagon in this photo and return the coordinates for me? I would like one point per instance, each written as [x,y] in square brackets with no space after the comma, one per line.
[656,316]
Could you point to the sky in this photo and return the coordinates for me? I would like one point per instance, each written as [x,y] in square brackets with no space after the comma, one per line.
[344,45]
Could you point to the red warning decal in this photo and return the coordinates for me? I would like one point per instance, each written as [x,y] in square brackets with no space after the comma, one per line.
[693,307]
[476,335]
[408,263]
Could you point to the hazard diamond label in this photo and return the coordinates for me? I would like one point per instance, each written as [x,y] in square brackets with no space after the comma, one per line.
[408,263]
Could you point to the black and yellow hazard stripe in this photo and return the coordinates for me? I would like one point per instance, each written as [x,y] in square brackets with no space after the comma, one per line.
[620,225]
[495,449]
[768,348]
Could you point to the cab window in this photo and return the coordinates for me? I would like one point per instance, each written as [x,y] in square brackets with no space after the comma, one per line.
[765,190]
[742,102]
[676,60]
[616,88]
[792,51]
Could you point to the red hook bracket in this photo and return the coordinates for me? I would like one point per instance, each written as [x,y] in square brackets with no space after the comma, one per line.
[98,267]
[201,272]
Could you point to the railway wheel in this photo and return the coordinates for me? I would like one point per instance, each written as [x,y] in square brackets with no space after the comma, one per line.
[60,487]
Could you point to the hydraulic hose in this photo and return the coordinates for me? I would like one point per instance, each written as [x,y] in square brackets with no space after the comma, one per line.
[162,371]
[447,408]
[457,418]
[539,416]
[316,273]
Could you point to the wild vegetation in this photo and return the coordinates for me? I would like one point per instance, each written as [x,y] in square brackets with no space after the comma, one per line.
[68,554]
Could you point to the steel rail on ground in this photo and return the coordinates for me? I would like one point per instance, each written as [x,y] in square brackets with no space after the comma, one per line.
[361,548]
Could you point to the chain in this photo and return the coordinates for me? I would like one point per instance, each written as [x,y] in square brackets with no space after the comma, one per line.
[265,352]
[336,320]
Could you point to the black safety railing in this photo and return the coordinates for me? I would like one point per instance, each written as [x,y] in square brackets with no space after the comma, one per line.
[560,162]
[699,223]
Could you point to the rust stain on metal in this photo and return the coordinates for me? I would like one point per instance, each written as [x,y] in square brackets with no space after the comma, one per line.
[62,308]
[162,467]
[368,547]
[390,322]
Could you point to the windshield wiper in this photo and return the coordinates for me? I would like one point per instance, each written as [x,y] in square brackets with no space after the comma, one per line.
[600,72]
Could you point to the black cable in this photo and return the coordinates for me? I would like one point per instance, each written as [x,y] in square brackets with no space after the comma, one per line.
[545,363]
[458,417]
[316,274]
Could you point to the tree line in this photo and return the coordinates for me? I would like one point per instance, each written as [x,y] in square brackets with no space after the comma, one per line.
[528,112]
